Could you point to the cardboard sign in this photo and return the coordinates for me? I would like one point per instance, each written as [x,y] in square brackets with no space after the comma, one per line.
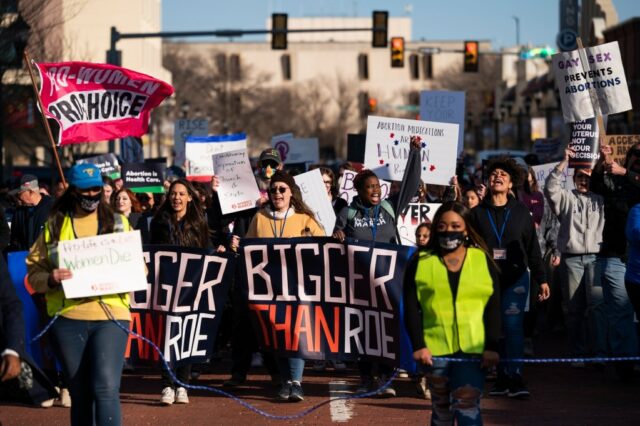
[387,148]
[238,189]
[592,72]
[199,150]
[184,129]
[347,191]
[314,194]
[146,177]
[444,106]
[409,220]
[542,171]
[104,264]
[584,141]
[107,163]
[296,150]
[621,144]
[94,102]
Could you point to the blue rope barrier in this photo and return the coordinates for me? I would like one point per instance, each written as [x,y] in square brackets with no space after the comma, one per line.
[348,397]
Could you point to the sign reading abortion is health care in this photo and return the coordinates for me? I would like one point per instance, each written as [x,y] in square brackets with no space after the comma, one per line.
[596,69]
[388,142]
[104,264]
[147,177]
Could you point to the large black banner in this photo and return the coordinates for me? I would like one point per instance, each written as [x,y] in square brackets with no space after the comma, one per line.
[316,298]
[180,310]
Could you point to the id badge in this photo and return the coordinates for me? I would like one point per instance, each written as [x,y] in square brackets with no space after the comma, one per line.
[499,254]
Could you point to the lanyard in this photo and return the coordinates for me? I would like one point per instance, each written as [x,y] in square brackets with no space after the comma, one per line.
[284,222]
[495,229]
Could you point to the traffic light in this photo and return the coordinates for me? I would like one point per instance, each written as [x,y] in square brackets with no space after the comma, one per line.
[397,52]
[373,105]
[471,56]
[380,21]
[279,23]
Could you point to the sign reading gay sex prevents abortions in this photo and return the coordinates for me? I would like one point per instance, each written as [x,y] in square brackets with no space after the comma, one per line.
[330,301]
[181,306]
[595,69]
[387,148]
[95,102]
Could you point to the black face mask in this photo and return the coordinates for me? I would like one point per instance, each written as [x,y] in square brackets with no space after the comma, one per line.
[450,241]
[89,203]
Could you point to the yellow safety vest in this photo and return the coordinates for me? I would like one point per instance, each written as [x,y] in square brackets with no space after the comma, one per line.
[450,326]
[55,297]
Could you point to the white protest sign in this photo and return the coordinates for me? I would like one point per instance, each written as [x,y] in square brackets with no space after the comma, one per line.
[387,148]
[411,217]
[347,191]
[444,106]
[542,171]
[595,69]
[314,194]
[182,130]
[104,264]
[200,149]
[237,188]
[296,150]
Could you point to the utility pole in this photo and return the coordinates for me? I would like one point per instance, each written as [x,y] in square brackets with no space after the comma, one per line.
[517,29]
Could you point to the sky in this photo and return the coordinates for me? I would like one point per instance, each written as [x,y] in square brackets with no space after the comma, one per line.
[432,20]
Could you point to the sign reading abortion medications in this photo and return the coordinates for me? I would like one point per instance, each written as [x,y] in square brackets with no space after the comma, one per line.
[105,264]
[387,148]
[238,189]
[593,71]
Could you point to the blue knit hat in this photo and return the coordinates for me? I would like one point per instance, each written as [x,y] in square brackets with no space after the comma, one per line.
[85,176]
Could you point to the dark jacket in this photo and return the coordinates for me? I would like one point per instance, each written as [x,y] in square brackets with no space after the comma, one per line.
[519,239]
[620,194]
[370,220]
[5,232]
[27,224]
[162,230]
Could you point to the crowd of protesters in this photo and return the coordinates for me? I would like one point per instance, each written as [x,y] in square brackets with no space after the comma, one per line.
[508,255]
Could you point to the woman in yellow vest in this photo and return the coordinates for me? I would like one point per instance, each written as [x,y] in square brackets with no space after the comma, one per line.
[90,344]
[452,309]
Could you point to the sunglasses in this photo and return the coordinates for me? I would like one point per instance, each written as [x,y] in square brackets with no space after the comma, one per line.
[276,189]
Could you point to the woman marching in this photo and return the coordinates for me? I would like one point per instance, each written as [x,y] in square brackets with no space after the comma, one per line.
[285,215]
[452,309]
[180,221]
[91,345]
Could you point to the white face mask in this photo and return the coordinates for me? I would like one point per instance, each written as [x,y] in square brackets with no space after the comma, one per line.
[88,203]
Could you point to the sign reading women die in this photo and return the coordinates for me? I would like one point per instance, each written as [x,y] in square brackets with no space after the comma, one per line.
[387,148]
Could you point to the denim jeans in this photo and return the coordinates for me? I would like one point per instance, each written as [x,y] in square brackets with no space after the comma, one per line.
[583,306]
[456,388]
[512,305]
[623,340]
[291,369]
[92,355]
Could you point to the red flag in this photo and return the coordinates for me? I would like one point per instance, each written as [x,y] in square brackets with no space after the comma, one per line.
[94,102]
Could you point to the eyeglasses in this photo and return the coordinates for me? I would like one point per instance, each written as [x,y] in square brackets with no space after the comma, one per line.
[276,189]
[328,182]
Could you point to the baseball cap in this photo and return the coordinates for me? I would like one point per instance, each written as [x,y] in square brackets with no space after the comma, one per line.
[270,154]
[26,183]
[85,176]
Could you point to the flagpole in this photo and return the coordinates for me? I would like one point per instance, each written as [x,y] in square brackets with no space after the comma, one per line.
[595,104]
[44,117]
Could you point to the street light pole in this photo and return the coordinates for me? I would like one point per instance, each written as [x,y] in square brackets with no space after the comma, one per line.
[515,18]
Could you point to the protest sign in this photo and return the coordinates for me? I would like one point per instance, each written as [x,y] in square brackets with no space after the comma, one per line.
[199,150]
[238,189]
[94,102]
[412,216]
[597,70]
[387,148]
[332,301]
[347,190]
[146,177]
[314,194]
[548,149]
[181,306]
[542,171]
[104,264]
[107,163]
[444,106]
[583,139]
[183,129]
[620,145]
[296,150]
